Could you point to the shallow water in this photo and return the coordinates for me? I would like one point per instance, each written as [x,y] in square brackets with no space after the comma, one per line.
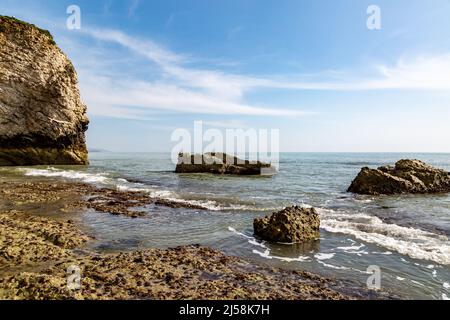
[406,236]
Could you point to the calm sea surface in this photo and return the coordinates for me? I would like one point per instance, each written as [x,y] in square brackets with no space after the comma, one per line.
[407,237]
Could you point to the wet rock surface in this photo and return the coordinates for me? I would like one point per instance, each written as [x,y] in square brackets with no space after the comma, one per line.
[30,239]
[407,176]
[78,195]
[190,272]
[221,163]
[42,118]
[291,225]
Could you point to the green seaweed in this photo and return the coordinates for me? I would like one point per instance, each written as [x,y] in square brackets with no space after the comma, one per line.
[43,31]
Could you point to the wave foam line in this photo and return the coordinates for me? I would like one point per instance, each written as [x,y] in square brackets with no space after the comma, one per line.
[266,254]
[415,243]
[74,175]
[250,239]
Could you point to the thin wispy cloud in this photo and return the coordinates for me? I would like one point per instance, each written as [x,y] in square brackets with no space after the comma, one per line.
[182,88]
[227,124]
[426,72]
[134,4]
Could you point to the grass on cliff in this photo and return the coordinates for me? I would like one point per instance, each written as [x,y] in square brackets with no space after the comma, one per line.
[43,31]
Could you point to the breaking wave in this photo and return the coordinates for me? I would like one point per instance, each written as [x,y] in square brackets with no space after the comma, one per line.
[73,175]
[415,243]
[121,184]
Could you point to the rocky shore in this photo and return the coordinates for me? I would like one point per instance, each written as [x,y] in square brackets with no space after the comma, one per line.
[36,252]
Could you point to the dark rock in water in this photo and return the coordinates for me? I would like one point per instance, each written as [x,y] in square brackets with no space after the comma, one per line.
[221,163]
[291,225]
[408,176]
[42,118]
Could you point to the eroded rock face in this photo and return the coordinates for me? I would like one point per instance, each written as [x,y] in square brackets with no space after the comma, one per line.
[291,225]
[42,118]
[221,163]
[408,176]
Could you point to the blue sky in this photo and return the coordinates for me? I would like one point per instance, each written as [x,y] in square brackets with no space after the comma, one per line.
[309,68]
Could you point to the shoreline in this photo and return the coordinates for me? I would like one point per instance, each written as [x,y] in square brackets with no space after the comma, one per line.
[36,251]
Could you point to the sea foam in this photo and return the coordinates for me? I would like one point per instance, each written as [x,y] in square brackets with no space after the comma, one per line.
[415,243]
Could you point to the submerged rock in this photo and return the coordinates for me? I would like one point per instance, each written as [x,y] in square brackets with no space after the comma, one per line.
[291,225]
[221,163]
[408,176]
[42,118]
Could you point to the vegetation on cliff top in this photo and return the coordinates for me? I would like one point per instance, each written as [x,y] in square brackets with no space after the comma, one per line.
[26,24]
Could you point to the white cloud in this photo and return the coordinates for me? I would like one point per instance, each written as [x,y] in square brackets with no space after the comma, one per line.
[179,88]
[419,73]
[151,96]
[227,124]
[182,88]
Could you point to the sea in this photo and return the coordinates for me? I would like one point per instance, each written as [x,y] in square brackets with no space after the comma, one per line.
[396,244]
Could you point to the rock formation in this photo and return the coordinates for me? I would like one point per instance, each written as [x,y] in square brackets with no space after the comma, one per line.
[42,118]
[408,176]
[291,225]
[221,163]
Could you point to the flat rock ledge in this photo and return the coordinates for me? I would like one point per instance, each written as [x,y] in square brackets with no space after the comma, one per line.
[290,225]
[27,239]
[190,272]
[406,177]
[221,163]
[133,204]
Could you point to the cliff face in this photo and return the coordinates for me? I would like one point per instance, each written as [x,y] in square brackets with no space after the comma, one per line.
[42,118]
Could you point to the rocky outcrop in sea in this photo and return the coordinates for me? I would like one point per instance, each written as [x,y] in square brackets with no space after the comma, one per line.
[291,225]
[43,119]
[407,176]
[221,163]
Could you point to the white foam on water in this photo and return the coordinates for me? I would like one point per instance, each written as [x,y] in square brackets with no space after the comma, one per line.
[446,285]
[386,253]
[251,240]
[169,195]
[266,254]
[352,248]
[239,233]
[400,279]
[67,174]
[445,297]
[415,243]
[324,256]
[418,283]
[256,243]
[364,200]
[332,266]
